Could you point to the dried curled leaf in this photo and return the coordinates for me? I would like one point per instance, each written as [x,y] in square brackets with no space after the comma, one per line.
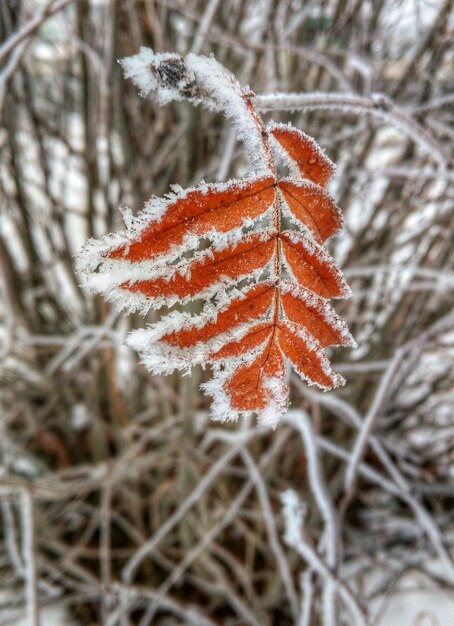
[264,292]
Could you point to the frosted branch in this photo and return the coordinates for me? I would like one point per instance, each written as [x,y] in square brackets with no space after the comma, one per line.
[300,421]
[293,513]
[29,557]
[201,80]
[271,530]
[378,105]
[148,547]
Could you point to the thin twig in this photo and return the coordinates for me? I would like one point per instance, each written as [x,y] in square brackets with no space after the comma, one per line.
[379,106]
[29,551]
[32,26]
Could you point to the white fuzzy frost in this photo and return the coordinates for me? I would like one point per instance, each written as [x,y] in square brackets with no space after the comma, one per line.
[94,252]
[138,68]
[160,357]
[221,407]
[203,81]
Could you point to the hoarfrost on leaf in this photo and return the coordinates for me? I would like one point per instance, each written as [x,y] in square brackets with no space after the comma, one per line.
[264,290]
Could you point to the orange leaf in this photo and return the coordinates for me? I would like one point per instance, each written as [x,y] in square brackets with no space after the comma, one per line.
[210,208]
[312,206]
[309,362]
[312,267]
[182,248]
[249,306]
[254,252]
[304,152]
[252,339]
[316,316]
[249,387]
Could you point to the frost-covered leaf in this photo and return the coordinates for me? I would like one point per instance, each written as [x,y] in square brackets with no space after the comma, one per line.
[215,208]
[303,152]
[306,309]
[254,386]
[204,276]
[265,291]
[312,266]
[306,356]
[311,205]
[244,308]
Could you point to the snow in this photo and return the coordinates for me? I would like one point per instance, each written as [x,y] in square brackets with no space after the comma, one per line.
[411,602]
[79,416]
[55,614]
[418,607]
[294,512]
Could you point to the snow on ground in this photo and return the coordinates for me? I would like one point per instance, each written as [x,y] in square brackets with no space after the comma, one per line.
[411,599]
[55,615]
[419,608]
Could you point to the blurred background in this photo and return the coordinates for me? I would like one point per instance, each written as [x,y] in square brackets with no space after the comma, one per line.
[121,503]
